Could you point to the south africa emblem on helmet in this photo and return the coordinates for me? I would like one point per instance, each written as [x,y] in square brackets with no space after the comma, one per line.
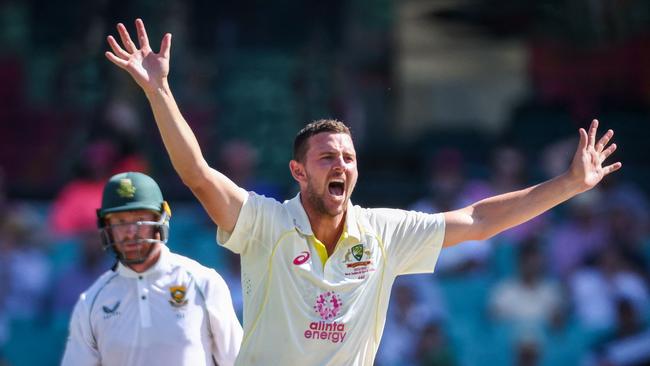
[177,294]
[126,188]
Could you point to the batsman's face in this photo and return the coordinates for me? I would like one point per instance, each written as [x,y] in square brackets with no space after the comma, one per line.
[128,232]
[330,173]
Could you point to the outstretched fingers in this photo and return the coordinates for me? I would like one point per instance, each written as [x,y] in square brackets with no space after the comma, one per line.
[604,140]
[582,144]
[612,168]
[166,45]
[116,60]
[142,34]
[117,50]
[607,152]
[126,38]
[592,132]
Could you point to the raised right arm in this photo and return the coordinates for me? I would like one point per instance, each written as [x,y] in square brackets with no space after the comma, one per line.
[219,195]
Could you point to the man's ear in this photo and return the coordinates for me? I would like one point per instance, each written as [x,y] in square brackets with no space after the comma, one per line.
[297,171]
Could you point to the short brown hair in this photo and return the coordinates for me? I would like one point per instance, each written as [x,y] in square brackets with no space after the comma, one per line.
[322,125]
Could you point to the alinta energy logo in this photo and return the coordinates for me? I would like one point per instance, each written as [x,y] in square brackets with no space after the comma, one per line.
[328,306]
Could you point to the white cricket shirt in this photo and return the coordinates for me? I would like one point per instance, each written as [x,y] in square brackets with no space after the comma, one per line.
[176,313]
[299,312]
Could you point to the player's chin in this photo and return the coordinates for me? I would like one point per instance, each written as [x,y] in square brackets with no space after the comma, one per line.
[132,255]
[135,252]
[335,209]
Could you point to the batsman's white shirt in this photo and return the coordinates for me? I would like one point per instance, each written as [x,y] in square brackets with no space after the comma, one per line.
[299,312]
[176,313]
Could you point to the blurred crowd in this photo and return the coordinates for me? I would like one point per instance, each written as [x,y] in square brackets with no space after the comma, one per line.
[570,287]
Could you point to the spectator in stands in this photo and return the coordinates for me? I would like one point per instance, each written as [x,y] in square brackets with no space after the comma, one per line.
[238,160]
[73,208]
[414,305]
[528,349]
[24,268]
[626,344]
[596,288]
[448,188]
[433,347]
[508,172]
[580,235]
[628,216]
[529,299]
[73,281]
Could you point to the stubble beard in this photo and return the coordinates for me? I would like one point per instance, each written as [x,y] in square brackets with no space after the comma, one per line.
[143,250]
[318,202]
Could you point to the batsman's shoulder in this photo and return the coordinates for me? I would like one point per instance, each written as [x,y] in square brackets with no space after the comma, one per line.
[92,292]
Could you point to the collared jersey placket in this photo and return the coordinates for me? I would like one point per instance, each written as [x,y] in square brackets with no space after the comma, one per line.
[327,272]
[332,270]
[144,302]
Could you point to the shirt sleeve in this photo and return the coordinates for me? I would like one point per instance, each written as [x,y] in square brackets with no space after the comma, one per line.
[226,330]
[412,240]
[256,222]
[81,348]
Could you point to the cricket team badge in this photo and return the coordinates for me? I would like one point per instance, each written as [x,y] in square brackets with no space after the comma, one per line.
[358,261]
[178,294]
[357,251]
[126,189]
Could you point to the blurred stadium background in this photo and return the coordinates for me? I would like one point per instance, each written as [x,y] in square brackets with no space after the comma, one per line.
[449,101]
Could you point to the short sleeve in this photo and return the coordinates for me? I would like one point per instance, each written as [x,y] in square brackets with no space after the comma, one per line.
[255,224]
[413,240]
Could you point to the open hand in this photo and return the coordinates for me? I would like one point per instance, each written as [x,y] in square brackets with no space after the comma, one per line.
[147,68]
[587,165]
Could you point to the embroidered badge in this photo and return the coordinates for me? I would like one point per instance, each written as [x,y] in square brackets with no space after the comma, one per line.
[178,294]
[359,261]
[357,252]
[126,188]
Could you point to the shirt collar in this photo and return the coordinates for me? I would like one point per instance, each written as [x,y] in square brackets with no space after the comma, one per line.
[301,220]
[159,267]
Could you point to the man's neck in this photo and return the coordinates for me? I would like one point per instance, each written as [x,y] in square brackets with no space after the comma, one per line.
[328,231]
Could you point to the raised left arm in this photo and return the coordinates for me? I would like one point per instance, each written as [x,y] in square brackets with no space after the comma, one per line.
[493,215]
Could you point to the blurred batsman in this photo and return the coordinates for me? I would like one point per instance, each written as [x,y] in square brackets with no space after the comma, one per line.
[153,307]
[317,271]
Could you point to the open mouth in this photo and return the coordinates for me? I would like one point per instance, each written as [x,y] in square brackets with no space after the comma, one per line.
[336,188]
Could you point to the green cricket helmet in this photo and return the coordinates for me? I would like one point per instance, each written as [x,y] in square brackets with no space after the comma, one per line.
[133,191]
